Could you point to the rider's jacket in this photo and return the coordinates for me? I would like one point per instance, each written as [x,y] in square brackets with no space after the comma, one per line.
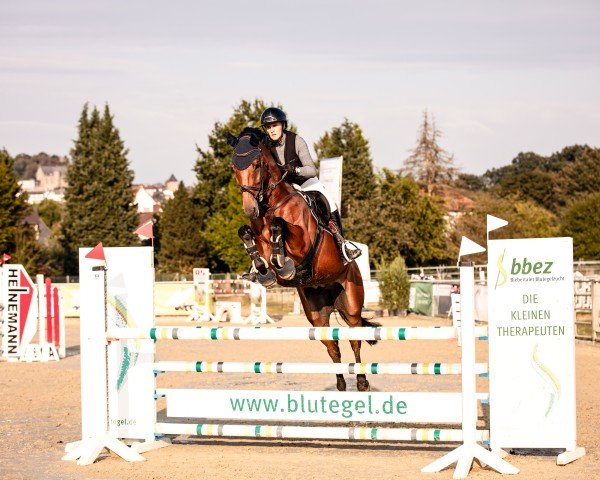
[293,150]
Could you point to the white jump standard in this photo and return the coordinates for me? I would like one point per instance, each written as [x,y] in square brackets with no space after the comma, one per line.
[118,403]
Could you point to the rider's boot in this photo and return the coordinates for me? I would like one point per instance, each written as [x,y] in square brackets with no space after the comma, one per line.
[349,252]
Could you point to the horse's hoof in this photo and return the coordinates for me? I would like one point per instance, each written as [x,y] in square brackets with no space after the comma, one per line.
[288,271]
[266,280]
[341,385]
[363,385]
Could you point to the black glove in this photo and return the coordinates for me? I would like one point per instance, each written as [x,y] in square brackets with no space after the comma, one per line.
[290,169]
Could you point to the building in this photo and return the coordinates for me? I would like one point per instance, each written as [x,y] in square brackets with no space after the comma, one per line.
[49,183]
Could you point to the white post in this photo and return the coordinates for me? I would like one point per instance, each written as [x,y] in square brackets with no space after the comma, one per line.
[94,381]
[470,449]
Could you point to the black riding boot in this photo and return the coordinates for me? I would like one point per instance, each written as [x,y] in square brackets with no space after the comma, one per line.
[349,253]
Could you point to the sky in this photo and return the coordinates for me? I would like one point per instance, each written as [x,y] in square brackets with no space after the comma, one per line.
[500,77]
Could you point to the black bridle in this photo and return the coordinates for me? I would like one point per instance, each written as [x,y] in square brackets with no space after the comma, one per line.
[260,193]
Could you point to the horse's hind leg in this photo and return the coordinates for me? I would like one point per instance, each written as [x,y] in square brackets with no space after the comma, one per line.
[318,309]
[362,384]
[349,304]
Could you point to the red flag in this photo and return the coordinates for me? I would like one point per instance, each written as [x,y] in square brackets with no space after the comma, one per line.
[146,230]
[96,253]
[5,258]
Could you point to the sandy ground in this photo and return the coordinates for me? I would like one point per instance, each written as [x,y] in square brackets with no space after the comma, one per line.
[41,413]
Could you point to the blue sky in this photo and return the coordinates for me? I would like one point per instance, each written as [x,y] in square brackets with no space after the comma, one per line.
[500,77]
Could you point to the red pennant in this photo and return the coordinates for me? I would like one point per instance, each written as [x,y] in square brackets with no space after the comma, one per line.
[146,230]
[96,253]
[5,258]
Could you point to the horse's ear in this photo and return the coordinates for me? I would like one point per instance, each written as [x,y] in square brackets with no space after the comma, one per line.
[232,139]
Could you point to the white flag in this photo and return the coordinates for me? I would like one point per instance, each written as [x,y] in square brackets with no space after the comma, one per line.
[494,223]
[468,247]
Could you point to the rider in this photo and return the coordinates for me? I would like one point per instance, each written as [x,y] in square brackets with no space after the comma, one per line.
[290,151]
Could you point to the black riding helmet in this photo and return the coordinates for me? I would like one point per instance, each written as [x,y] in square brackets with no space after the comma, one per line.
[273,114]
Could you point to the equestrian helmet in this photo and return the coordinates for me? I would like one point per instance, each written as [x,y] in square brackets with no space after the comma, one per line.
[272,115]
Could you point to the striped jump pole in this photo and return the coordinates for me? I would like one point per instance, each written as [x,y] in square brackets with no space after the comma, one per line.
[290,333]
[318,368]
[320,433]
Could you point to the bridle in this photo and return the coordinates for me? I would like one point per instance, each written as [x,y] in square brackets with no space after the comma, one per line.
[259,193]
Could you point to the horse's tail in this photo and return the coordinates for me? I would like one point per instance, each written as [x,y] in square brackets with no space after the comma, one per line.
[366,323]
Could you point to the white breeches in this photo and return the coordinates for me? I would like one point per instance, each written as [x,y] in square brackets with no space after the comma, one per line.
[314,185]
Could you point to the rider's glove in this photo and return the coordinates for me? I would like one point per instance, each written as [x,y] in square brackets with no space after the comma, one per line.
[291,170]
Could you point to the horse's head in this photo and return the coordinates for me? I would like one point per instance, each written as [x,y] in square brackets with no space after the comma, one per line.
[249,165]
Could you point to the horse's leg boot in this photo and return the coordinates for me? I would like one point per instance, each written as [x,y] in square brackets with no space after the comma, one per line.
[284,266]
[259,265]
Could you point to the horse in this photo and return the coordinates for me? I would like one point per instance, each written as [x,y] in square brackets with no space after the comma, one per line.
[289,246]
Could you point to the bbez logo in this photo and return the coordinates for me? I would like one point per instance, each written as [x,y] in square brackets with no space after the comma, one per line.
[525,267]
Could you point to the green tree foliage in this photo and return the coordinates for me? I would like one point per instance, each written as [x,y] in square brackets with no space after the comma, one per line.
[470,182]
[51,212]
[181,244]
[525,218]
[221,234]
[359,183]
[13,205]
[99,199]
[581,220]
[429,164]
[549,181]
[394,284]
[407,223]
[348,141]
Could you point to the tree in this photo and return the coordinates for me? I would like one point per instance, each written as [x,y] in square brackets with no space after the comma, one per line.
[13,205]
[222,237]
[394,284]
[550,181]
[525,218]
[51,212]
[99,199]
[181,244]
[581,220]
[348,141]
[407,223]
[359,183]
[428,163]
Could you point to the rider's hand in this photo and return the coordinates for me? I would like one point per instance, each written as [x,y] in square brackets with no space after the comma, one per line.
[290,169]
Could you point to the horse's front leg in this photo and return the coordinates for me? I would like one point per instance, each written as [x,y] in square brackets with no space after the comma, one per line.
[284,266]
[260,267]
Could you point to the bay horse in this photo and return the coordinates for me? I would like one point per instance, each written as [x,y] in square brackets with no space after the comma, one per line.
[289,246]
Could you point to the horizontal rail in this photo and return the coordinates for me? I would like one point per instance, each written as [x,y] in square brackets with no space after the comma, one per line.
[290,333]
[318,368]
[328,433]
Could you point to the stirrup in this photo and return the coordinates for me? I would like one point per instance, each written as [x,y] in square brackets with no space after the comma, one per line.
[350,254]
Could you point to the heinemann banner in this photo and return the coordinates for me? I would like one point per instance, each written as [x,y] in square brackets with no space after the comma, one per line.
[531,336]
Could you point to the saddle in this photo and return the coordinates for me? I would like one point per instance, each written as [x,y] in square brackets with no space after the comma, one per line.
[318,205]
